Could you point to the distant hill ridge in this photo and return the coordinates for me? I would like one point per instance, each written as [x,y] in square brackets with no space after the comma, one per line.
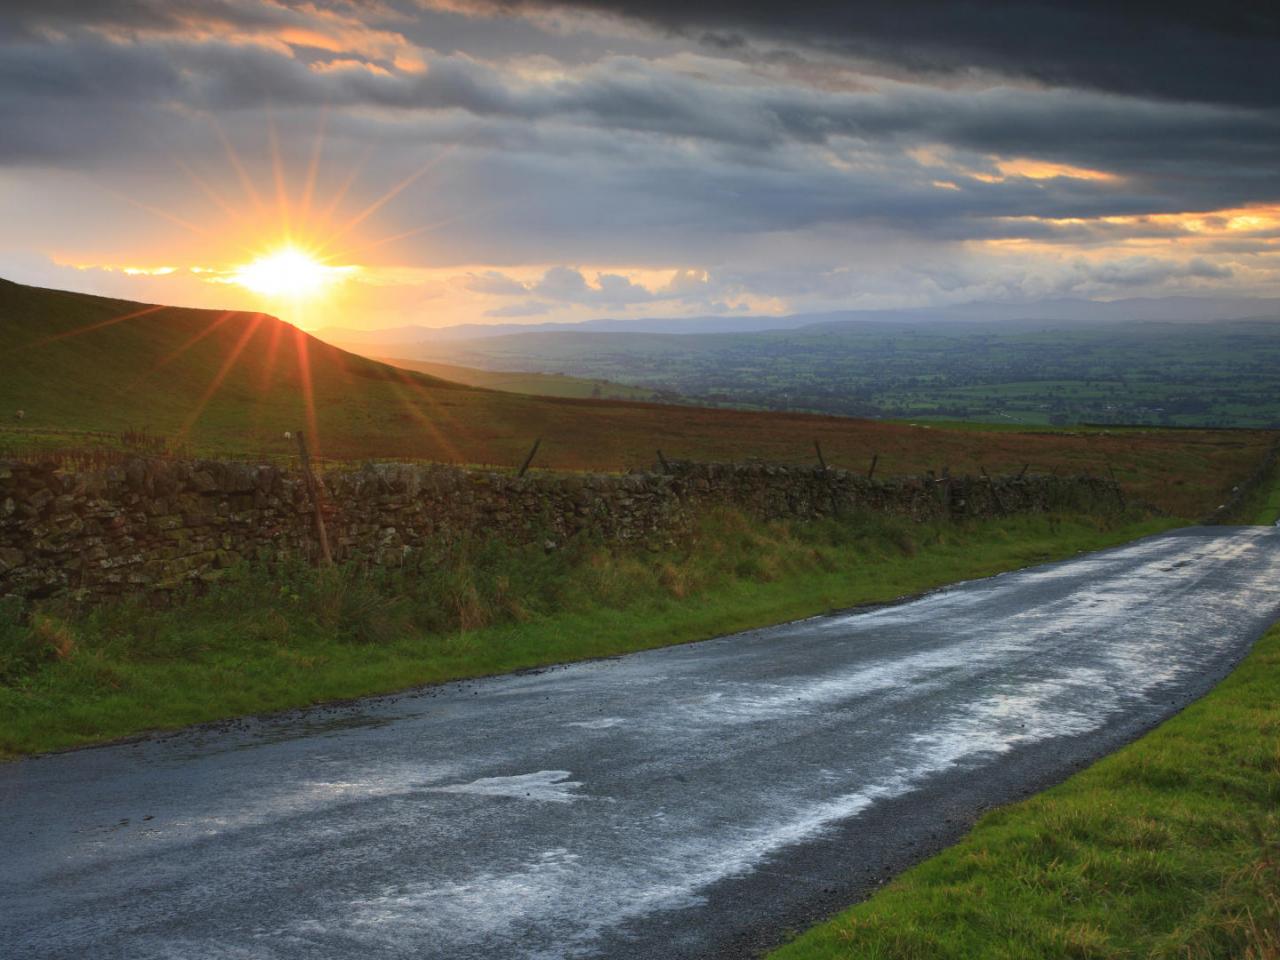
[1062,310]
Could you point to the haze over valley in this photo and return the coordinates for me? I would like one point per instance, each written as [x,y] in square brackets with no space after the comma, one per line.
[1170,362]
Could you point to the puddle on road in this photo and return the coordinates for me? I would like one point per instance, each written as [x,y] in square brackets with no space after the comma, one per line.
[545,786]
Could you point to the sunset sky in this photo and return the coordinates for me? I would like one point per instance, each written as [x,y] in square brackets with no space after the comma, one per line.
[448,161]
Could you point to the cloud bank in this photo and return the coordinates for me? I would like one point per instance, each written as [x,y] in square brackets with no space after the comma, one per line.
[587,157]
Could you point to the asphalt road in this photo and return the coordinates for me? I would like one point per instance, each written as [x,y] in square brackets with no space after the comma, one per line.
[689,802]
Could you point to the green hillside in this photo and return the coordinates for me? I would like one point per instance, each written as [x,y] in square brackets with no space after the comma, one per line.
[220,379]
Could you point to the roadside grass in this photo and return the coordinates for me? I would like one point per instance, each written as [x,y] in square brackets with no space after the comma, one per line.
[1267,502]
[1168,849]
[1260,503]
[1269,512]
[254,643]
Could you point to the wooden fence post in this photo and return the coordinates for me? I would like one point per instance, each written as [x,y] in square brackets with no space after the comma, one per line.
[875,458]
[831,490]
[995,494]
[313,488]
[529,459]
[1119,493]
[666,467]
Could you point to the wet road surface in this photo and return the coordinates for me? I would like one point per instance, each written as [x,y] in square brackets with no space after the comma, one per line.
[688,802]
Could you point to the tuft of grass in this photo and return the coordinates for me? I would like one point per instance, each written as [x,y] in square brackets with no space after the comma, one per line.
[260,640]
[1166,850]
[349,606]
[25,647]
[1267,505]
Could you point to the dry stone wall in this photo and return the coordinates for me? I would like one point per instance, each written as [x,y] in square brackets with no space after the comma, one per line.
[1229,512]
[153,524]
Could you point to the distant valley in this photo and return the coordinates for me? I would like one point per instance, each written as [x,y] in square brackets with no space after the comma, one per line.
[1084,364]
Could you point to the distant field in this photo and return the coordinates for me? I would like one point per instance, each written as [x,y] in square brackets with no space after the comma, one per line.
[1225,373]
[92,373]
[533,384]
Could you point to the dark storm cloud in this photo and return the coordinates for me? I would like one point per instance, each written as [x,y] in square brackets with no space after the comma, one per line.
[1191,51]
[604,150]
[61,98]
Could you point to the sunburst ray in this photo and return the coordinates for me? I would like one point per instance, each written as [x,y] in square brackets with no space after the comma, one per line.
[228,362]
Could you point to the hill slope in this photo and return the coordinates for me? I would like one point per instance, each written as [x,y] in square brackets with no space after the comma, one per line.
[534,384]
[232,383]
[1057,311]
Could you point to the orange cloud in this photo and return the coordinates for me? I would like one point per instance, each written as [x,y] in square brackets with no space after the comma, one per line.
[1044,170]
[304,26]
[1233,222]
[938,155]
[336,66]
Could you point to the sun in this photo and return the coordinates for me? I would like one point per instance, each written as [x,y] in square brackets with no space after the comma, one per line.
[288,272]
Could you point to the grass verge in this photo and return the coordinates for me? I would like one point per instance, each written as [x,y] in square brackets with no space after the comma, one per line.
[1259,501]
[1168,849]
[1267,504]
[254,643]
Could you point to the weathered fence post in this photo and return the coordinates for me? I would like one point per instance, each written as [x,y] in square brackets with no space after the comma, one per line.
[529,459]
[875,458]
[313,489]
[831,481]
[1119,493]
[995,494]
[1023,472]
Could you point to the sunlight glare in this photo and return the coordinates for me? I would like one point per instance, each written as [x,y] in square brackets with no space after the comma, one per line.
[288,272]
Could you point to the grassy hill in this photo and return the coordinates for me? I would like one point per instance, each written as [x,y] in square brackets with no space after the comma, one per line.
[533,384]
[87,370]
